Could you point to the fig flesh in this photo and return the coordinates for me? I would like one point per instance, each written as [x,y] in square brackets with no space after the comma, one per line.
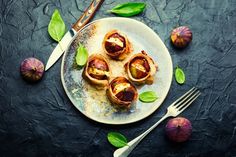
[97,70]
[141,68]
[116,45]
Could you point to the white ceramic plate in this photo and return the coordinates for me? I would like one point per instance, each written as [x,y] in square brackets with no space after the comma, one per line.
[93,103]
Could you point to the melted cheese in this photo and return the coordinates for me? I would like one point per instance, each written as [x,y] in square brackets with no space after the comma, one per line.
[96,71]
[139,67]
[120,87]
[116,41]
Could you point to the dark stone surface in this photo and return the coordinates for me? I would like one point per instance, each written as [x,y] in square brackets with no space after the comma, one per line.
[39,119]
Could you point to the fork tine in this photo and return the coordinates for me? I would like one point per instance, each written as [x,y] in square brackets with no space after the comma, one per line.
[178,100]
[189,102]
[186,97]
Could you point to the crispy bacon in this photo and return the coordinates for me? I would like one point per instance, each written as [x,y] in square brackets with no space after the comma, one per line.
[97,70]
[141,68]
[116,45]
[122,92]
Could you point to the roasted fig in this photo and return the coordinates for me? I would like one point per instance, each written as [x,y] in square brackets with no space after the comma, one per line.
[121,92]
[32,69]
[97,70]
[116,45]
[141,68]
[181,36]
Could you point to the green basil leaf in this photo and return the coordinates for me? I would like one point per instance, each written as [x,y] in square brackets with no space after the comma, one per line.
[116,139]
[179,75]
[128,9]
[56,27]
[81,55]
[148,96]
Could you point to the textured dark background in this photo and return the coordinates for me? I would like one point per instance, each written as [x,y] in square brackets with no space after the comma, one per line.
[39,120]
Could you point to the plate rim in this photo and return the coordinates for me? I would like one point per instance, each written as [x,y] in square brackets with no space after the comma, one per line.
[103,121]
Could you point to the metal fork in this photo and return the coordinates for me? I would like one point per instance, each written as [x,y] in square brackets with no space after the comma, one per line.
[172,111]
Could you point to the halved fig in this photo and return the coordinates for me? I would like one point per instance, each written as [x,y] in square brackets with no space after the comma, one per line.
[122,92]
[116,45]
[97,70]
[141,68]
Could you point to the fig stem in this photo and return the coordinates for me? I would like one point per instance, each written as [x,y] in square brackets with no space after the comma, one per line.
[34,69]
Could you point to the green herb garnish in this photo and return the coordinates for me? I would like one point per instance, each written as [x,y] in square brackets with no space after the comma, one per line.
[148,96]
[56,27]
[81,55]
[116,139]
[179,75]
[128,9]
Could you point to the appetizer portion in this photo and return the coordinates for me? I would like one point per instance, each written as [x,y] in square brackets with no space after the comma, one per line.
[116,45]
[141,69]
[97,70]
[122,92]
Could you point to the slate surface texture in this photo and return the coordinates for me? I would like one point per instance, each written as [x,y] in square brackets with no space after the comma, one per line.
[39,120]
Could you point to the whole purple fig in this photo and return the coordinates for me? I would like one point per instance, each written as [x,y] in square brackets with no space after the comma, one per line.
[181,36]
[32,69]
[178,129]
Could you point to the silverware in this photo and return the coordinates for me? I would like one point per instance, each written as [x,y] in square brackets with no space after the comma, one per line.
[172,111]
[69,36]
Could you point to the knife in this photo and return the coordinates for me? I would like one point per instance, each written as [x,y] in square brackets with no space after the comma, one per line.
[68,37]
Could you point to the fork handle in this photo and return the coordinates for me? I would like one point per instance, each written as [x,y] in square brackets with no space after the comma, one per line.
[126,150]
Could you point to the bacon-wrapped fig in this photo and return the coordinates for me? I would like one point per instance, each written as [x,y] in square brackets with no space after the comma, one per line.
[97,70]
[141,68]
[122,92]
[116,45]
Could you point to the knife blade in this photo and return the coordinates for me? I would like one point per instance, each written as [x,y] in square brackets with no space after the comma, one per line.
[69,36]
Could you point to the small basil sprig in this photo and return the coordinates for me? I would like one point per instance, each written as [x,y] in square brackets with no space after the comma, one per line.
[179,75]
[128,9]
[81,55]
[148,96]
[56,27]
[116,139]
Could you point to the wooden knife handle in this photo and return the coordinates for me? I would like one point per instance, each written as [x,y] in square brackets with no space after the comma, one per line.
[88,14]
